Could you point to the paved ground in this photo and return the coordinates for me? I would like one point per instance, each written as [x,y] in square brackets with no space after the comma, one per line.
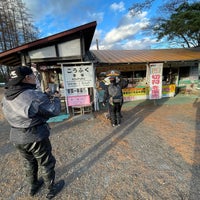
[153,155]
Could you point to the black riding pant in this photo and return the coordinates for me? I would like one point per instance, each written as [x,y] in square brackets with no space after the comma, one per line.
[114,111]
[38,155]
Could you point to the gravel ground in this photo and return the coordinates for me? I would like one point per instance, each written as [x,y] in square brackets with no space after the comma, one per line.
[153,155]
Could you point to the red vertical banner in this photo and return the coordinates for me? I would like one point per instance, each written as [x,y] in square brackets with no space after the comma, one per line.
[155,80]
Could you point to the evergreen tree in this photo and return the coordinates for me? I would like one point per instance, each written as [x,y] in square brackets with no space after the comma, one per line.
[178,21]
[183,26]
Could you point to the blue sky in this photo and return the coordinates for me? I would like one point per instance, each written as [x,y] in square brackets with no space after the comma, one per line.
[116,28]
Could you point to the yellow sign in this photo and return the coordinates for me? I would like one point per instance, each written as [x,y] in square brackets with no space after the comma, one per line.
[131,94]
[134,91]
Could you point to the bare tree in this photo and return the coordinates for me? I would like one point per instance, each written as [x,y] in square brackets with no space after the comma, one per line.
[16,26]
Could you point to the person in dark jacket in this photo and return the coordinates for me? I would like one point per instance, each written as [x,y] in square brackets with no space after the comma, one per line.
[123,84]
[27,111]
[113,95]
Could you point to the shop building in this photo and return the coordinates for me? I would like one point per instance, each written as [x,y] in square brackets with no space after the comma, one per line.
[180,69]
[65,62]
[60,62]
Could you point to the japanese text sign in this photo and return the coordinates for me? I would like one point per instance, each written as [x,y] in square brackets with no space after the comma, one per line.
[78,100]
[79,76]
[155,80]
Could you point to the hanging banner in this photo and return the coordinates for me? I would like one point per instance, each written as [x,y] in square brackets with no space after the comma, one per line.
[81,76]
[155,70]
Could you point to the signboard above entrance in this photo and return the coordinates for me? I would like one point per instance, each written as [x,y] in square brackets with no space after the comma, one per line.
[80,76]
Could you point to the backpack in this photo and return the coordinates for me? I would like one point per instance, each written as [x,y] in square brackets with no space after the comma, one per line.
[115,93]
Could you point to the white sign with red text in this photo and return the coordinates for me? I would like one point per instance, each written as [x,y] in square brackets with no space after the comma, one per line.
[156,70]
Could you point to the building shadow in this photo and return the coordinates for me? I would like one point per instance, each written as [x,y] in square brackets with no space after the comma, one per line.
[5,145]
[194,192]
[91,156]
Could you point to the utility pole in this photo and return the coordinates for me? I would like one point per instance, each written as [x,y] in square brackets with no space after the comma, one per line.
[97,43]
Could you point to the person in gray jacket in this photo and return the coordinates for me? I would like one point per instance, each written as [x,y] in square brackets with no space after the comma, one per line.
[27,111]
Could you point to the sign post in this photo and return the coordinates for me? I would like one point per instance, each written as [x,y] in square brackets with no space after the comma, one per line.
[77,77]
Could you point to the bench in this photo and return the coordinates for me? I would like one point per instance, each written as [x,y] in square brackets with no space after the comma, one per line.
[82,109]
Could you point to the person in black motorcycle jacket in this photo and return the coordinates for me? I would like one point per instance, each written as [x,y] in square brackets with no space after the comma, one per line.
[27,111]
[113,95]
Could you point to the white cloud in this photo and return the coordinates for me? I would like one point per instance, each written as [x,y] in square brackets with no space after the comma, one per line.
[124,32]
[97,34]
[96,16]
[128,27]
[131,19]
[127,35]
[117,7]
[144,43]
[59,8]
[55,16]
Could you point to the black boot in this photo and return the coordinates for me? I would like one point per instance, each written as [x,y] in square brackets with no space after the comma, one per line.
[54,189]
[36,186]
[118,119]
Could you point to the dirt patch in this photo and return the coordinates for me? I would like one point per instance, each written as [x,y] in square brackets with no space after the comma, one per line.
[153,155]
[1,96]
